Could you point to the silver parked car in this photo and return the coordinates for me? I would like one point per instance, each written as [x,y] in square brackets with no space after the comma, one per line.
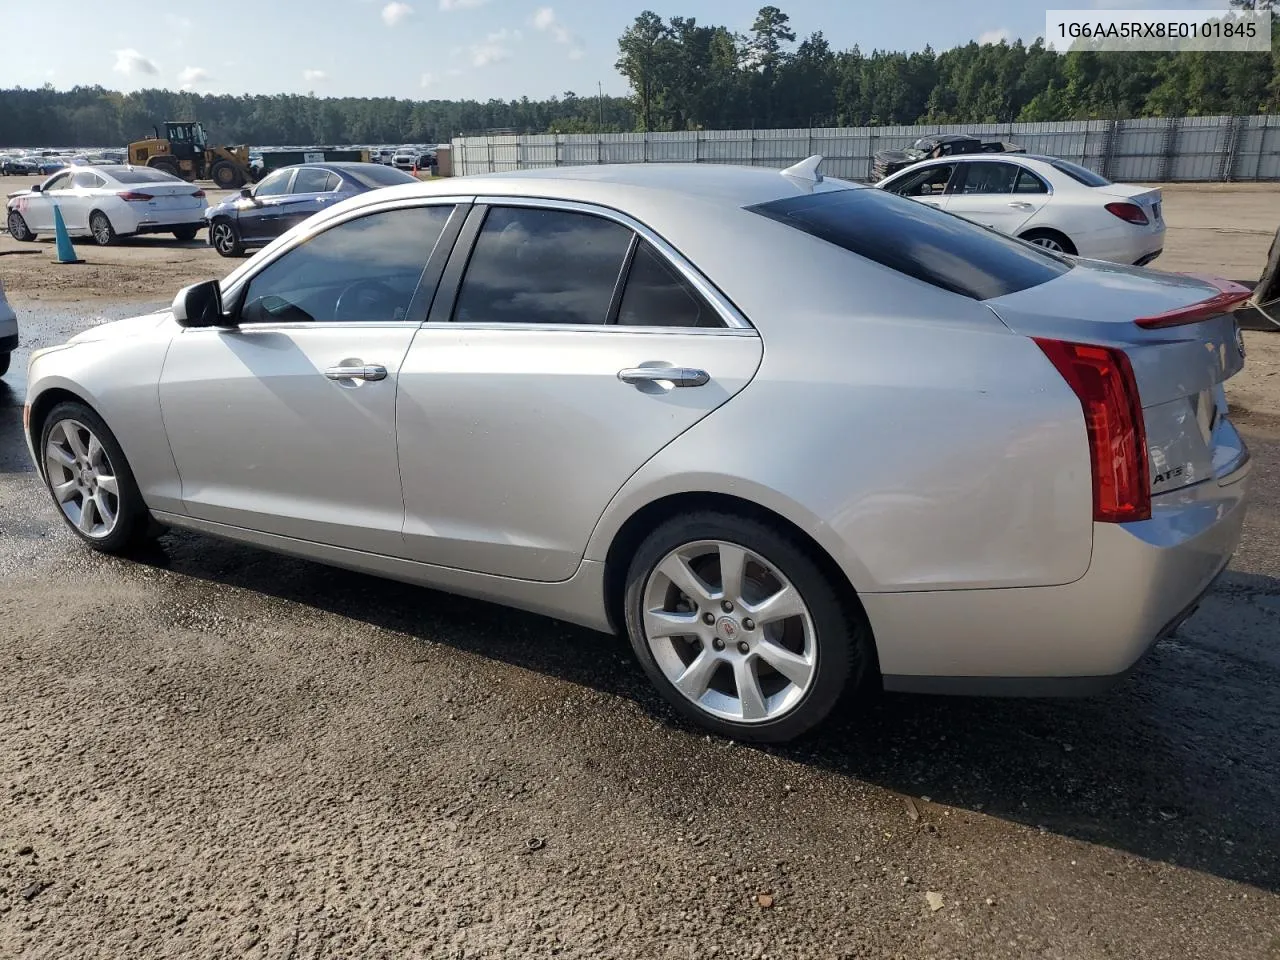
[791,434]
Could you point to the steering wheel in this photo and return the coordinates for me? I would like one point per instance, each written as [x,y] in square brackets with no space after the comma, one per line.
[365,297]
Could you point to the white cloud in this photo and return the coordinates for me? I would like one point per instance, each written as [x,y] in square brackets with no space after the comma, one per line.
[394,13]
[494,49]
[426,81]
[130,61]
[453,72]
[314,76]
[576,53]
[993,36]
[191,77]
[448,5]
[545,21]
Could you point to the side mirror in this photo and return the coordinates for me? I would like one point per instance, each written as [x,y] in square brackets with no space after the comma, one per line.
[37,188]
[246,192]
[200,305]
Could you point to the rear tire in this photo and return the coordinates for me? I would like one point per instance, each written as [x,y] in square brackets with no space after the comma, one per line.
[104,234]
[1050,240]
[83,469]
[186,234]
[18,228]
[166,165]
[815,637]
[224,238]
[226,176]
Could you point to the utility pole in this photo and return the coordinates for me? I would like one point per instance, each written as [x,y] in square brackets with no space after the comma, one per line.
[600,106]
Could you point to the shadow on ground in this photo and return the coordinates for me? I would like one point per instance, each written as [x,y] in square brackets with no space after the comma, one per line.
[1177,764]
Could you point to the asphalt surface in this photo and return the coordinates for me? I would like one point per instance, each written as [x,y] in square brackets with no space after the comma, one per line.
[210,751]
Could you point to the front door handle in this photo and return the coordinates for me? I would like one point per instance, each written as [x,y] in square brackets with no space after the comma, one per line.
[677,376]
[357,371]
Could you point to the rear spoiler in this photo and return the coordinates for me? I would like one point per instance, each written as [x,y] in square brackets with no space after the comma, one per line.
[1229,296]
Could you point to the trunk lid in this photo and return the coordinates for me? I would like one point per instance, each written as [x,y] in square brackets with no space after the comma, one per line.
[1180,367]
[166,197]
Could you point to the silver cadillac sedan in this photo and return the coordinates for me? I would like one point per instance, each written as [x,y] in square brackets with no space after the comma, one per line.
[795,436]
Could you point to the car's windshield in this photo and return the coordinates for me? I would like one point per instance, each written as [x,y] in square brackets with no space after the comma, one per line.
[913,238]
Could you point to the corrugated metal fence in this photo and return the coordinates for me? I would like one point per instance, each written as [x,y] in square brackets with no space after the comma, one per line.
[1149,149]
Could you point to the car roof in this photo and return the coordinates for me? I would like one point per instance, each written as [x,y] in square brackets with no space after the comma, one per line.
[716,182]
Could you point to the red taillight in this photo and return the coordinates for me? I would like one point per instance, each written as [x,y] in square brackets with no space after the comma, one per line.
[1229,296]
[1103,380]
[1128,212]
[199,193]
[132,196]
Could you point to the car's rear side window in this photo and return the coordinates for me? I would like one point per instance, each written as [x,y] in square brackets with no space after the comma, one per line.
[923,242]
[1078,173]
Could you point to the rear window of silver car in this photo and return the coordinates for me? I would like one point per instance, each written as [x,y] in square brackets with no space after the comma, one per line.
[913,238]
[144,175]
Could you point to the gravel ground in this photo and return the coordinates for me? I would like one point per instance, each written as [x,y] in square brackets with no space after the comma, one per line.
[210,751]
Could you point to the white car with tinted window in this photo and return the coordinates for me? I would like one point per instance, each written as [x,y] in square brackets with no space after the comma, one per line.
[108,202]
[1048,201]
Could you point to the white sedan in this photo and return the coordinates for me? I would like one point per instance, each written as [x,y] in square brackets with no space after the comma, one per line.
[107,202]
[1048,201]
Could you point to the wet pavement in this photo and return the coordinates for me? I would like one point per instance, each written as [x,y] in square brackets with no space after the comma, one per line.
[213,751]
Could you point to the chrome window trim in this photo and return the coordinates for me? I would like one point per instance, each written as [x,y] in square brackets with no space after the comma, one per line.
[732,317]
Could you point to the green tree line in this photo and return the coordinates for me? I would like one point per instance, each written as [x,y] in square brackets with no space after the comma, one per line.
[685,75]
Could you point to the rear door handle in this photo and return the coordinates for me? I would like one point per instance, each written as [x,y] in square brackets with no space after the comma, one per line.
[1020,204]
[678,376]
[366,371]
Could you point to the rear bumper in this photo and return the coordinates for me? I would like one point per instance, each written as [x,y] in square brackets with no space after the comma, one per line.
[1143,581]
[169,227]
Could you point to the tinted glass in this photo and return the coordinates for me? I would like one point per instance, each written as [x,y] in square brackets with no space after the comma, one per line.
[331,183]
[927,182]
[310,180]
[1076,172]
[542,266]
[274,185]
[984,176]
[657,295]
[920,241]
[374,176]
[361,270]
[1028,182]
[142,175]
[61,182]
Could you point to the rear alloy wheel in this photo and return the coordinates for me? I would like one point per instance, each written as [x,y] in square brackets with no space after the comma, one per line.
[1050,240]
[89,479]
[18,228]
[739,629]
[104,235]
[186,234]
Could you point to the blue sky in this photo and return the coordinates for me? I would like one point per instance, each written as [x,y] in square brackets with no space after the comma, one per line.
[424,49]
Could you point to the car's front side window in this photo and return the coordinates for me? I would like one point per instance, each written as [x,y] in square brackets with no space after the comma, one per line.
[534,265]
[927,182]
[61,182]
[274,185]
[362,270]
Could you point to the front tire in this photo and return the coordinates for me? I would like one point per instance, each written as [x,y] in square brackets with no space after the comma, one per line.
[18,228]
[90,481]
[186,234]
[739,629]
[224,238]
[104,234]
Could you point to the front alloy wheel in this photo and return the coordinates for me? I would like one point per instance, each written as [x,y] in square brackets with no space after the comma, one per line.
[82,479]
[222,235]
